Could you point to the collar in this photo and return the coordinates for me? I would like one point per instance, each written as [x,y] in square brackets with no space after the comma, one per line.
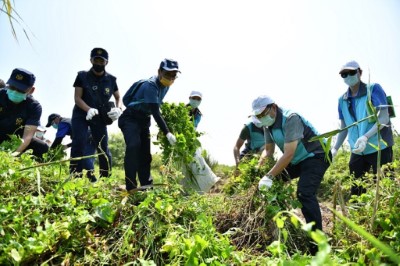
[278,119]
[362,91]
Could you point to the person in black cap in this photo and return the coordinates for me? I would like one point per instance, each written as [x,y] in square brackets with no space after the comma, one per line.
[93,90]
[64,128]
[20,113]
[142,100]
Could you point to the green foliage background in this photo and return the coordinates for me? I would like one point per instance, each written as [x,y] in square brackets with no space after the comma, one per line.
[47,218]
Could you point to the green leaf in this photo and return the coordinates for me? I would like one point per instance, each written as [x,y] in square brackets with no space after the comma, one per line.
[15,255]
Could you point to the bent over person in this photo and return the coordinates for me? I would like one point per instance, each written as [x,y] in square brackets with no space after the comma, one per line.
[20,113]
[93,90]
[143,100]
[300,159]
[253,138]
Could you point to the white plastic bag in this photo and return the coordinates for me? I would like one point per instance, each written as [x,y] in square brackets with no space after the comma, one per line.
[202,173]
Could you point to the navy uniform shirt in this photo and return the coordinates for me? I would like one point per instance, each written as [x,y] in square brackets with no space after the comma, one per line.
[96,89]
[13,117]
[150,91]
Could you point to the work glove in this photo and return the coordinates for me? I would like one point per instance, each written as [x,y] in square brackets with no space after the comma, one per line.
[171,138]
[115,113]
[91,112]
[15,154]
[361,144]
[266,182]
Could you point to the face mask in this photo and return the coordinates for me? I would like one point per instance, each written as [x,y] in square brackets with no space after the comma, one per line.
[15,96]
[39,135]
[166,82]
[54,125]
[267,121]
[99,68]
[351,80]
[194,103]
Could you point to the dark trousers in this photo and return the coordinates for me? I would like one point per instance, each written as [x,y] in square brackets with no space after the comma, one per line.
[79,142]
[90,149]
[38,147]
[311,171]
[359,165]
[137,161]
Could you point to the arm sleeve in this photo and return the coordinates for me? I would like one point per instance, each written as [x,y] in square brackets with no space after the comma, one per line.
[77,82]
[341,136]
[383,118]
[56,142]
[155,111]
[245,133]
[294,128]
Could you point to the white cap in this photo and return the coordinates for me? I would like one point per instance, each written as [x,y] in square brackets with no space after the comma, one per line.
[196,93]
[41,128]
[261,103]
[352,65]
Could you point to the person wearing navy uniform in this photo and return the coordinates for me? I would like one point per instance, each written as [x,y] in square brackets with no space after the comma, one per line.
[20,113]
[195,99]
[143,100]
[253,138]
[363,137]
[64,128]
[300,159]
[93,90]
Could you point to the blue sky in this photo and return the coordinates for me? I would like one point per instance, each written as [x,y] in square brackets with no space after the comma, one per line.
[232,51]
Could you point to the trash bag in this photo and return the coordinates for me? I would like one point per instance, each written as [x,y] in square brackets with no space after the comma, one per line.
[203,178]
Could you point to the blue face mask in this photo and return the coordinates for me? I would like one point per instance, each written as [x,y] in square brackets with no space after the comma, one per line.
[194,103]
[54,125]
[351,80]
[15,96]
[267,121]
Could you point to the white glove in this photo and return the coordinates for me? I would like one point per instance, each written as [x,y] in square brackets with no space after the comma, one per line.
[115,113]
[171,138]
[91,112]
[361,144]
[334,152]
[266,182]
[15,154]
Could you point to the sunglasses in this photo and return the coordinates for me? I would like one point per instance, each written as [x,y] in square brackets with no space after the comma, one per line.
[264,113]
[350,72]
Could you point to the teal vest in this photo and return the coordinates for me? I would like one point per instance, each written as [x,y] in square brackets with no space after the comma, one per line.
[304,148]
[257,139]
[361,112]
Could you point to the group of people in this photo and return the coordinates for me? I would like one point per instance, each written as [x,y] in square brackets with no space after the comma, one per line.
[307,160]
[20,115]
[270,126]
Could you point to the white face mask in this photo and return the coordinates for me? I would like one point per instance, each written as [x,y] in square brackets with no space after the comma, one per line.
[267,121]
[39,134]
[351,80]
[194,103]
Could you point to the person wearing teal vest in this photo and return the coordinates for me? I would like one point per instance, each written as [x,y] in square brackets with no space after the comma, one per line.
[253,138]
[363,138]
[300,159]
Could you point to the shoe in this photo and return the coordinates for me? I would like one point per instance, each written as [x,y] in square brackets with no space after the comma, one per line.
[91,177]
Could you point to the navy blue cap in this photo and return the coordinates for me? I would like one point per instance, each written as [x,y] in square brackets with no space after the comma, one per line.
[22,79]
[169,65]
[99,52]
[51,118]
